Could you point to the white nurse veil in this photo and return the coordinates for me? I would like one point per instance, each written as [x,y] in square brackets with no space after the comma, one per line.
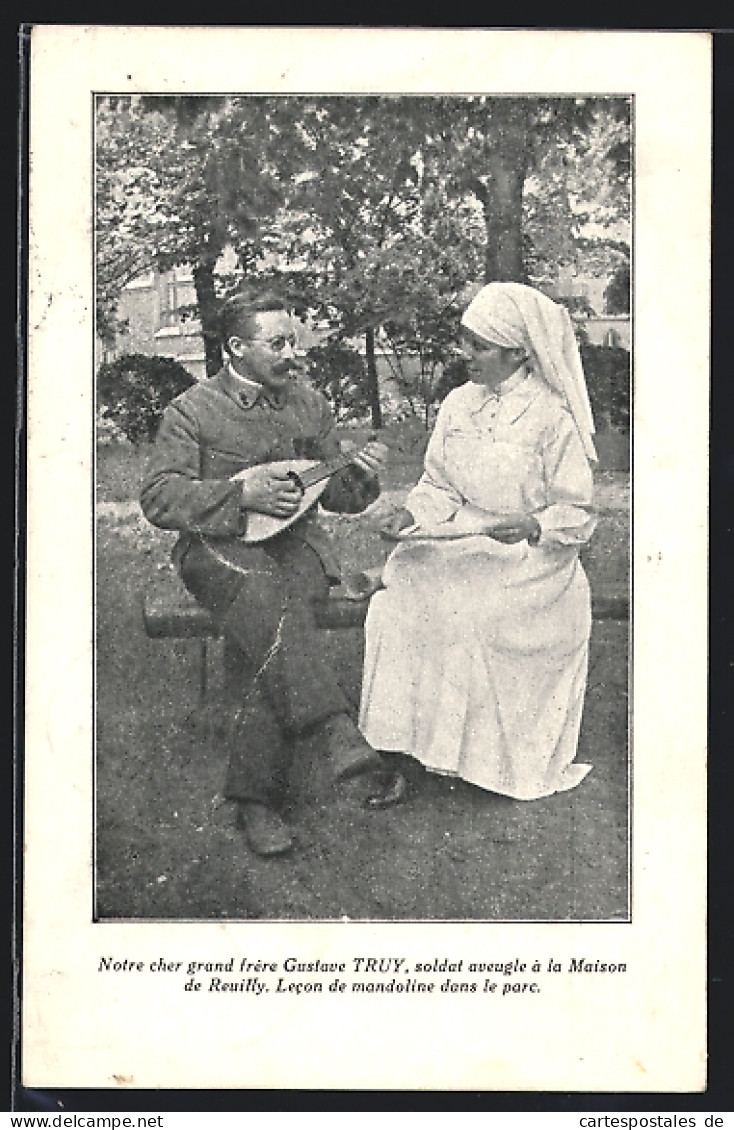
[516,316]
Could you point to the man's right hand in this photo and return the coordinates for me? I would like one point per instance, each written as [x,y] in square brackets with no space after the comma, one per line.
[399,521]
[269,492]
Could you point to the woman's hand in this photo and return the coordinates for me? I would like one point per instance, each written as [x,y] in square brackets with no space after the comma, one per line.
[516,528]
[397,522]
[372,458]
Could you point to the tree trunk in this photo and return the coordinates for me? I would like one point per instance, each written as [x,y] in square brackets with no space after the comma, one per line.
[501,190]
[373,383]
[503,220]
[206,297]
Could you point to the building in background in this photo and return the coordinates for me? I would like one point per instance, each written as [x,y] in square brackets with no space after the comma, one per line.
[586,295]
[157,311]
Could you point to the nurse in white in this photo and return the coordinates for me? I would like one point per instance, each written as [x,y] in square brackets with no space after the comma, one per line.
[477,647]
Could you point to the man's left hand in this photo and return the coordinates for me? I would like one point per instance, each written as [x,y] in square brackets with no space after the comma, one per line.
[372,458]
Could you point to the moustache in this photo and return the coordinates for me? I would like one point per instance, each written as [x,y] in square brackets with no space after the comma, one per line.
[288,367]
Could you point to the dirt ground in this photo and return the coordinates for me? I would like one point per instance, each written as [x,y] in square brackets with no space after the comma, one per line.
[166,844]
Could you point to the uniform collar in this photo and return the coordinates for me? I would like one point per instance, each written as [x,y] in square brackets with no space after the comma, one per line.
[248,393]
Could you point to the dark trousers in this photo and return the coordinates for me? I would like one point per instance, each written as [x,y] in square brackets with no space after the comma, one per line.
[282,684]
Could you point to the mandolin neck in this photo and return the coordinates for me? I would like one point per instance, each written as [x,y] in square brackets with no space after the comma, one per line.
[323,471]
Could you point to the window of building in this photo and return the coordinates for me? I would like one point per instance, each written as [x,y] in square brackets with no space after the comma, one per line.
[177,294]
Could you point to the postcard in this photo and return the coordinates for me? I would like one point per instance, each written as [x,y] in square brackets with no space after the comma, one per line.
[515,899]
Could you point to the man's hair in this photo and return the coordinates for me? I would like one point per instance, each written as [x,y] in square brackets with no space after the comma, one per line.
[236,314]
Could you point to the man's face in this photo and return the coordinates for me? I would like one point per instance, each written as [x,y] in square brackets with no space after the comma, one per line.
[269,356]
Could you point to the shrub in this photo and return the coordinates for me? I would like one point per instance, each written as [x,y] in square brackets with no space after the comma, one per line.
[133,391]
[607,370]
[337,370]
[617,293]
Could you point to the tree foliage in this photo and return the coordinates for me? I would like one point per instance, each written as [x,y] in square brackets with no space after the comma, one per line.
[374,214]
[577,196]
[337,369]
[617,292]
[365,242]
[178,181]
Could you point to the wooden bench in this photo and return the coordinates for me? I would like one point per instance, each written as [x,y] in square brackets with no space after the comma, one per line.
[171,612]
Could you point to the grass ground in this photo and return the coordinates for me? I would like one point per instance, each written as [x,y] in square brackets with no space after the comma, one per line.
[166,843]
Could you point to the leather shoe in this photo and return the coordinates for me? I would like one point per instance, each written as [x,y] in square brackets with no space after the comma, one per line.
[392,789]
[266,831]
[349,753]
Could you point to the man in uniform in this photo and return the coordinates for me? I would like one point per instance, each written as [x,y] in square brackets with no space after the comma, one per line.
[251,413]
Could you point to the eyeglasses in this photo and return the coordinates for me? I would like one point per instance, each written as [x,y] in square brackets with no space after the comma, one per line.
[276,344]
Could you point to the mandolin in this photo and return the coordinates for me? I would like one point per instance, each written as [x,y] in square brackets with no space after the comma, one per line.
[310,475]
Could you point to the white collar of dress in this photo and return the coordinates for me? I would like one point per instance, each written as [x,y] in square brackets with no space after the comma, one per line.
[485,395]
[516,395]
[514,381]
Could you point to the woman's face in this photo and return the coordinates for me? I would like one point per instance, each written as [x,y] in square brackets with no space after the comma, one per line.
[486,363]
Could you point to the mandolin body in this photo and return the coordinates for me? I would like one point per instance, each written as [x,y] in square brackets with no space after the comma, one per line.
[261,527]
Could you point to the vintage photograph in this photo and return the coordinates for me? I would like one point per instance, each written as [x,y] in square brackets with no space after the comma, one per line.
[363,376]
[367,562]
